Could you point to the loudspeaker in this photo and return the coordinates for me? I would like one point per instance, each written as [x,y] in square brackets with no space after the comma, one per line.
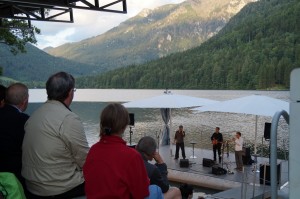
[131,119]
[247,160]
[184,163]
[268,175]
[267,131]
[246,151]
[207,162]
[218,170]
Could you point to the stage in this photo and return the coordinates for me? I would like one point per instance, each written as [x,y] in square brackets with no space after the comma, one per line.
[231,185]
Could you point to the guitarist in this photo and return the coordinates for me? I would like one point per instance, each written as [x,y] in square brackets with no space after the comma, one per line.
[217,139]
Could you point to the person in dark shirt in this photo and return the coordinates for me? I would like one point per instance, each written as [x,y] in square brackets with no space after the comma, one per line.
[2,95]
[217,139]
[157,172]
[12,121]
[179,141]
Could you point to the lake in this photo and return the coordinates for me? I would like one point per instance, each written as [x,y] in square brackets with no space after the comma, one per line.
[88,104]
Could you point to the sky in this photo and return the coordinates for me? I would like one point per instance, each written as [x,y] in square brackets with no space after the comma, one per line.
[90,23]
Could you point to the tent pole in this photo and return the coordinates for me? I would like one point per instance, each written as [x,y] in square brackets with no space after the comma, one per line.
[255,144]
[170,134]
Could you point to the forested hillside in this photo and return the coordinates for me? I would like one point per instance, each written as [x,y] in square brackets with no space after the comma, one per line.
[257,49]
[36,65]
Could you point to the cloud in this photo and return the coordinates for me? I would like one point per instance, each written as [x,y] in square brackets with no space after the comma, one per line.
[90,23]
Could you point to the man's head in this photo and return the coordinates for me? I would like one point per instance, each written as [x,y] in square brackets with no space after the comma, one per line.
[217,129]
[60,87]
[238,134]
[17,95]
[114,119]
[2,95]
[147,147]
[180,127]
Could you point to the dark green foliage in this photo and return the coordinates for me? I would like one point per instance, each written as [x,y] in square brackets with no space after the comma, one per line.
[16,33]
[36,65]
[257,49]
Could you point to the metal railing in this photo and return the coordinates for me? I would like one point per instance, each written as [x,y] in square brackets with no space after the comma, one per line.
[273,157]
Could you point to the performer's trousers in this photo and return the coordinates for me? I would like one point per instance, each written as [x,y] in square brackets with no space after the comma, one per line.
[181,146]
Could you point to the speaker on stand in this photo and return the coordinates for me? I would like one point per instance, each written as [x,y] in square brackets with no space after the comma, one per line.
[267,131]
[267,135]
[131,124]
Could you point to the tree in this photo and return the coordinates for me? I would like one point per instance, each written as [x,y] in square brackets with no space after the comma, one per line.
[16,33]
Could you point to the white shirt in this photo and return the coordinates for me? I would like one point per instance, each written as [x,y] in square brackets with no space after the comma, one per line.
[238,144]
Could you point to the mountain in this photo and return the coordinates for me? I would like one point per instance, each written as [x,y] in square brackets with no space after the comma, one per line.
[36,65]
[153,34]
[257,49]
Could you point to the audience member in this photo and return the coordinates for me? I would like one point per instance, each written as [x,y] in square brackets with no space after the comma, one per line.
[157,172]
[12,121]
[217,140]
[179,141]
[2,95]
[186,191]
[112,169]
[55,146]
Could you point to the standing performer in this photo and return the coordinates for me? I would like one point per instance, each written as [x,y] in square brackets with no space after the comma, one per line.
[179,140]
[238,150]
[217,139]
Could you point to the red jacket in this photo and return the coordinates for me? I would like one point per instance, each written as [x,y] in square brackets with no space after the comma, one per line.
[114,170]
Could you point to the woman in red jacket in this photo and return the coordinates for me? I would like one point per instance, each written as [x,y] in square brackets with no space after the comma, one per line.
[112,169]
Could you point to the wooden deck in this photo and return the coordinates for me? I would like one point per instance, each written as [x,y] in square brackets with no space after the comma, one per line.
[231,185]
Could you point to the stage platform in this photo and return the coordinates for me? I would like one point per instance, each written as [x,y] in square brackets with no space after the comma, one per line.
[230,185]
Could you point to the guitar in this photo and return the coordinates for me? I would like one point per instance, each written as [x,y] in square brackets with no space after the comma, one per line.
[214,142]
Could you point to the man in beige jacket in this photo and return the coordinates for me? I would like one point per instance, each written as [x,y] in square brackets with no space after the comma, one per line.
[55,145]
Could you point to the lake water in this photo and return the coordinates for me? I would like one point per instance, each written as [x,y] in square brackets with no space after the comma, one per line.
[88,103]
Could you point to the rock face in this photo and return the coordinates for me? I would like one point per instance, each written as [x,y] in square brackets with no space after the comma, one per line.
[153,34]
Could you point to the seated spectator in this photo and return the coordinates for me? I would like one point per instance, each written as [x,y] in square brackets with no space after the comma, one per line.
[112,169]
[12,121]
[2,95]
[55,145]
[155,192]
[186,191]
[157,172]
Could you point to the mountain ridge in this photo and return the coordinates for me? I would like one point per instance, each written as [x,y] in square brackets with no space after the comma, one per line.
[257,49]
[152,34]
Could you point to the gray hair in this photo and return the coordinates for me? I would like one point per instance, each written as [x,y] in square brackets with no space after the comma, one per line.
[16,94]
[59,85]
[146,145]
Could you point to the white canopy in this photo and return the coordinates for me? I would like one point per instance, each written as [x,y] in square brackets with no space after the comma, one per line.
[169,101]
[254,104]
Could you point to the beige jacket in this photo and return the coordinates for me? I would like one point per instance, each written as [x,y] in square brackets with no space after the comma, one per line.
[54,150]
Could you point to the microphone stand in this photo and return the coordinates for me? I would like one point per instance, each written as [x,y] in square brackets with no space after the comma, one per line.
[130,134]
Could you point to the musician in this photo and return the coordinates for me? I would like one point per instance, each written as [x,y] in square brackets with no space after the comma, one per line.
[238,150]
[179,140]
[217,139]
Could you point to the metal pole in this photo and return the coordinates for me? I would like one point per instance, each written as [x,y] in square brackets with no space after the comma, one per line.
[273,151]
[255,144]
[171,134]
